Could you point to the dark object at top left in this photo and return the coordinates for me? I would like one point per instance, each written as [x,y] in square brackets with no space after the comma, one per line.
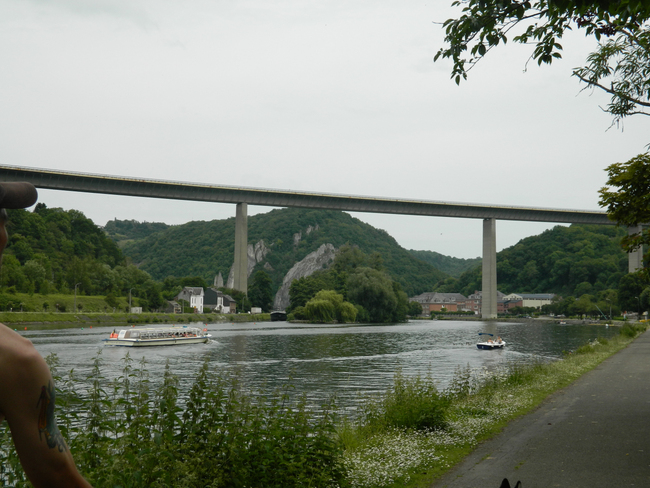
[17,195]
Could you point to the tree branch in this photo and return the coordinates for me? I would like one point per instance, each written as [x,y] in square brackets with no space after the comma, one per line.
[612,91]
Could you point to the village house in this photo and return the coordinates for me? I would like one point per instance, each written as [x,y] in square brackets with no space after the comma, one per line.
[217,301]
[435,302]
[194,296]
[455,302]
[534,300]
[473,303]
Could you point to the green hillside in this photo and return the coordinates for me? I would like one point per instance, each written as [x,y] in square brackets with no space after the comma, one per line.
[127,230]
[447,264]
[51,249]
[207,248]
[54,252]
[565,260]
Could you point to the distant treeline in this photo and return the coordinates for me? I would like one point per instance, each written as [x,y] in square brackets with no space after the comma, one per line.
[61,251]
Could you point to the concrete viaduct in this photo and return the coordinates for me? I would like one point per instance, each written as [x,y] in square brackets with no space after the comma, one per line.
[241,197]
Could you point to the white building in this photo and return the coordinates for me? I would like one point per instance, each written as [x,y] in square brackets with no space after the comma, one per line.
[193,295]
[535,300]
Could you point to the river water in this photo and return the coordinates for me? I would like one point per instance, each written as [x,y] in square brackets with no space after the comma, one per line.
[325,360]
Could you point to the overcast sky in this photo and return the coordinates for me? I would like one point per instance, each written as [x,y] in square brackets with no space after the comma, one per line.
[324,96]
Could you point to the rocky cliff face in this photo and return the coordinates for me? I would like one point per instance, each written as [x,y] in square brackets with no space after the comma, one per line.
[256,254]
[318,259]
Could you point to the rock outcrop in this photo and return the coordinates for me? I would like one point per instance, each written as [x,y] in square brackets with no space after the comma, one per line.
[318,259]
[256,254]
[218,281]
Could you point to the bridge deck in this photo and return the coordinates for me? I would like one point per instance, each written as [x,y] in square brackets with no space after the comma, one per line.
[115,185]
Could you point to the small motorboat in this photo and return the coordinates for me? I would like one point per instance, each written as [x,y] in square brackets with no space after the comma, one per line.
[490,343]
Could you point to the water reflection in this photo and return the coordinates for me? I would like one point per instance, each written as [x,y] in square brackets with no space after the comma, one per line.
[321,360]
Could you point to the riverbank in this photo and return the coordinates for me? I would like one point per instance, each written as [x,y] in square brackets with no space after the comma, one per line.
[480,405]
[62,320]
[588,434]
[524,320]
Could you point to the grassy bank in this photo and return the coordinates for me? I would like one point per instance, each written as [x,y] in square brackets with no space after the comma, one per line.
[58,320]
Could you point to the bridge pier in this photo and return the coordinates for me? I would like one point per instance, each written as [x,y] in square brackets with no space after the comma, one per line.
[241,248]
[635,258]
[489,291]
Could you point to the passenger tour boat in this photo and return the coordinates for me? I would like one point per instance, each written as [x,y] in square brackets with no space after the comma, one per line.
[162,336]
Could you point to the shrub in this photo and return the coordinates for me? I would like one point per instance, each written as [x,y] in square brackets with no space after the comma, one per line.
[629,330]
[297,314]
[411,403]
[586,349]
[320,311]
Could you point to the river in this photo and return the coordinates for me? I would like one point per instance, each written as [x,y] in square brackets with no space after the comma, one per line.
[322,360]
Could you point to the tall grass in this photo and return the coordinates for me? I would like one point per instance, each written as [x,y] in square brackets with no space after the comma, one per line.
[127,433]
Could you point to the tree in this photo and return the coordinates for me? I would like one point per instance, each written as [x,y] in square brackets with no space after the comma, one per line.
[303,289]
[584,306]
[645,299]
[35,274]
[629,203]
[260,291]
[629,292]
[415,309]
[243,303]
[152,291]
[195,281]
[374,291]
[619,66]
[111,300]
[321,311]
[329,306]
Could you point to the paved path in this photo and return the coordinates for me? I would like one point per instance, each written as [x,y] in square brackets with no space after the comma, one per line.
[594,433]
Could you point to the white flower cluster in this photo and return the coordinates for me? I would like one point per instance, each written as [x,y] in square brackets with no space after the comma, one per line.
[390,457]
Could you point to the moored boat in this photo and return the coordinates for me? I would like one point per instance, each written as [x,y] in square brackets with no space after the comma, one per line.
[278,316]
[160,336]
[497,343]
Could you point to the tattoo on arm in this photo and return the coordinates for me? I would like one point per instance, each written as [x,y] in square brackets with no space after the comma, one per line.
[46,422]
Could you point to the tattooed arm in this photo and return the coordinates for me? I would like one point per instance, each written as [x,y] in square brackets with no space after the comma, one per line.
[27,403]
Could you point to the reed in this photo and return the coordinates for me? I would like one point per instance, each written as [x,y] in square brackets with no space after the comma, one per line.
[126,432]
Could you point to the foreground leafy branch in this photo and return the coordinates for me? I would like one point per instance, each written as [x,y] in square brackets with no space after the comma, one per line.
[627,201]
[619,66]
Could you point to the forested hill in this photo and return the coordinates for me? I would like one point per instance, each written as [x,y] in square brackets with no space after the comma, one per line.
[51,249]
[447,264]
[207,248]
[575,260]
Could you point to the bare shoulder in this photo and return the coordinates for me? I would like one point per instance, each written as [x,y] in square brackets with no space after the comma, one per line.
[13,346]
[19,360]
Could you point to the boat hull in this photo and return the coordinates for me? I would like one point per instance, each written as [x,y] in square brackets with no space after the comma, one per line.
[278,316]
[167,341]
[490,346]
